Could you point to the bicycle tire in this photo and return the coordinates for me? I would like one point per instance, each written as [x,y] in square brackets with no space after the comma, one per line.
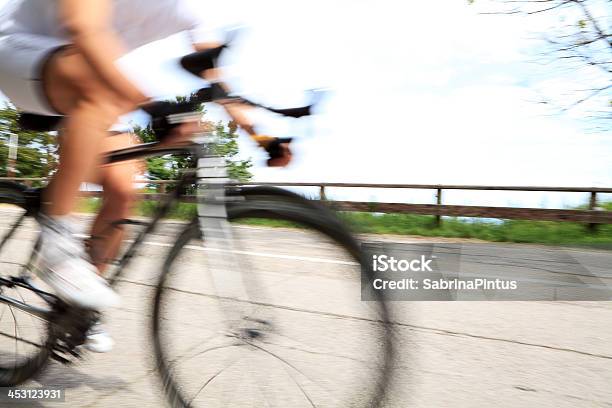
[18,373]
[278,205]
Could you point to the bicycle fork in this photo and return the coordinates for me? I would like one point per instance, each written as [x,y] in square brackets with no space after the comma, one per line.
[228,274]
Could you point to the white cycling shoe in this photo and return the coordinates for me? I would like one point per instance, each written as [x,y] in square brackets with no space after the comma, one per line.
[99,340]
[64,267]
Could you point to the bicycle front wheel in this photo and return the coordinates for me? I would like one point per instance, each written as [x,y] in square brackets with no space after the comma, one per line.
[279,324]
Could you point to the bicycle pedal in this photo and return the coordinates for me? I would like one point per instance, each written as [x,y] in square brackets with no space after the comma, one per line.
[65,355]
[60,359]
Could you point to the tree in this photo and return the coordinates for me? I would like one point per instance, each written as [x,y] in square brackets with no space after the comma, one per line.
[37,154]
[580,39]
[228,148]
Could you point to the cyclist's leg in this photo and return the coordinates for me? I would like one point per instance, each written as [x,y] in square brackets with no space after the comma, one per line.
[119,196]
[74,89]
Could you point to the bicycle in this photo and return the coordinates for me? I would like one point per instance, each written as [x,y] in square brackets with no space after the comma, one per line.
[234,321]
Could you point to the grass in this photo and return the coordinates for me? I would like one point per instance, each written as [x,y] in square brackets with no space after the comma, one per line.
[543,232]
[181,211]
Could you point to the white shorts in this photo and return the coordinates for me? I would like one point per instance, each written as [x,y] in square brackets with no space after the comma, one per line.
[22,59]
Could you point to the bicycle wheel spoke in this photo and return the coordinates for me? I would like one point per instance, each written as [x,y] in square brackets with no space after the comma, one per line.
[210,380]
[24,301]
[12,230]
[16,330]
[31,343]
[312,404]
[199,354]
[195,346]
[288,364]
[326,354]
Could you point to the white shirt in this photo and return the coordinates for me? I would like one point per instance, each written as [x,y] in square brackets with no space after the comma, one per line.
[137,22]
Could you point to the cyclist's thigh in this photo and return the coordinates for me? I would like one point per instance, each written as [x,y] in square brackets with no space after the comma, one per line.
[69,79]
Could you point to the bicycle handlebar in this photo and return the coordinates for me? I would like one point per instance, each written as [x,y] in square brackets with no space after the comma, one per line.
[216,93]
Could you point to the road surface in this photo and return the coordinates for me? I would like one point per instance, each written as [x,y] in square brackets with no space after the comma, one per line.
[448,354]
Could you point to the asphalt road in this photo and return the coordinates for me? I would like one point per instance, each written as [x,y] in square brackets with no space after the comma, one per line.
[448,354]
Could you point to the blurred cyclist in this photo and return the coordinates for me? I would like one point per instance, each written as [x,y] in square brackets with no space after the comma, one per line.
[59,58]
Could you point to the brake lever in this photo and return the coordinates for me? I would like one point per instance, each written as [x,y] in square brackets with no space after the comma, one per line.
[317,96]
[232,34]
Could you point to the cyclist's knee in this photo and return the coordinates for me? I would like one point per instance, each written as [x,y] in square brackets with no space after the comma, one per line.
[120,192]
[123,193]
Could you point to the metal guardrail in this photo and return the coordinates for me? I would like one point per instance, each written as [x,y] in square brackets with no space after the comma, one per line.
[592,216]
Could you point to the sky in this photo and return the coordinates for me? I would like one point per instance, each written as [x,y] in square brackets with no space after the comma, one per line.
[417,92]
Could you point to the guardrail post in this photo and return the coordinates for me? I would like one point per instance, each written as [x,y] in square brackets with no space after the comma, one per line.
[593,206]
[161,188]
[438,202]
[322,195]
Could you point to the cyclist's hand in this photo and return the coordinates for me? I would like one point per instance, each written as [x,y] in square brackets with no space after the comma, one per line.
[183,133]
[278,149]
[168,119]
[284,159]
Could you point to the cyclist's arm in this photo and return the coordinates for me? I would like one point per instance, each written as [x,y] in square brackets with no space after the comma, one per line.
[238,113]
[90,27]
